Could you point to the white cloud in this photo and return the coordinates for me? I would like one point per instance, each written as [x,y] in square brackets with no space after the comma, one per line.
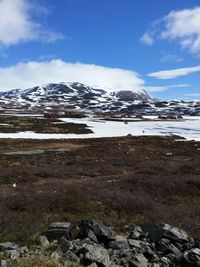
[17,24]
[193,95]
[29,74]
[171,74]
[147,39]
[155,88]
[182,26]
[170,57]
[165,88]
[182,85]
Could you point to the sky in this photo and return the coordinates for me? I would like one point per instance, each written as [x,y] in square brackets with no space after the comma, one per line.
[111,44]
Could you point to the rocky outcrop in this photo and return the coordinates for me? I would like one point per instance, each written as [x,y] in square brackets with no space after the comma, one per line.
[148,245]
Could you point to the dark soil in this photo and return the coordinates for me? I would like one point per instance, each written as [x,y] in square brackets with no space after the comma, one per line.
[116,180]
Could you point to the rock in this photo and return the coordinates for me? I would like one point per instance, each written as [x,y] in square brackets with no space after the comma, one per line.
[4,263]
[197,242]
[160,245]
[119,245]
[125,252]
[96,253]
[191,258]
[120,257]
[69,256]
[102,233]
[93,265]
[165,262]
[148,251]
[136,232]
[60,225]
[169,154]
[166,247]
[189,245]
[23,250]
[92,236]
[120,238]
[181,246]
[55,256]
[12,254]
[120,252]
[158,231]
[81,243]
[123,261]
[134,243]
[173,260]
[58,230]
[8,246]
[65,245]
[138,261]
[112,264]
[44,241]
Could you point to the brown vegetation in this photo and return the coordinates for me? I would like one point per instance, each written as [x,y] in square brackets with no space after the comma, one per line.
[14,124]
[116,180]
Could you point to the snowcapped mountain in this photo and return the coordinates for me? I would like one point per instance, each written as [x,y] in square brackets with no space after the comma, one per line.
[76,96]
[81,97]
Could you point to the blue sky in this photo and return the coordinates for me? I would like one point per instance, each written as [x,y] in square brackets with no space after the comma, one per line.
[107,43]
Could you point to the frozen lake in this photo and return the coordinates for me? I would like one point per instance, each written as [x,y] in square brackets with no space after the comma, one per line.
[188,128]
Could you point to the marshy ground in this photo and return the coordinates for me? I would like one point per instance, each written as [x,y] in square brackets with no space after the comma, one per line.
[116,180]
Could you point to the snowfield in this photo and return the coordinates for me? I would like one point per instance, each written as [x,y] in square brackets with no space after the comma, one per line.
[188,128]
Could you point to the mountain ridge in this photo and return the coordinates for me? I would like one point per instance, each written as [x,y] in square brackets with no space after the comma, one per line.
[75,94]
[78,96]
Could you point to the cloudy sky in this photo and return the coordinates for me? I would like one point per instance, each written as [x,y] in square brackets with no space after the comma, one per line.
[113,44]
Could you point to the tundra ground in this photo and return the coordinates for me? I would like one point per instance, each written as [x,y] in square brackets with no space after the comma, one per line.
[116,180]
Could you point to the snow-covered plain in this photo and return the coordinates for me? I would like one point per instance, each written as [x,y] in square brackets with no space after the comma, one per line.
[188,128]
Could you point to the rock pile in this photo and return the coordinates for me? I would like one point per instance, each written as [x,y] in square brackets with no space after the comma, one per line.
[150,245]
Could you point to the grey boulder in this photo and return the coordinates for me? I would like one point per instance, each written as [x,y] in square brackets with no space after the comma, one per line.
[8,246]
[96,253]
[101,232]
[57,230]
[158,231]
[138,261]
[191,258]
[124,244]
